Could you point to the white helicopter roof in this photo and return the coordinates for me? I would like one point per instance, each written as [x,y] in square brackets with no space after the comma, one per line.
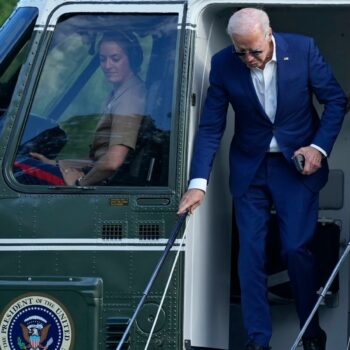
[194,7]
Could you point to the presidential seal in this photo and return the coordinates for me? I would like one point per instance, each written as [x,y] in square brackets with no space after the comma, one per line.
[34,322]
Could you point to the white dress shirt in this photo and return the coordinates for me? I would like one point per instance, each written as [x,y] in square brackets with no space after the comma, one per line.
[265,85]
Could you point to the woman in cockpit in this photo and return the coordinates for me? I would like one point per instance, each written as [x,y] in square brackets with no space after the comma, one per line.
[117,131]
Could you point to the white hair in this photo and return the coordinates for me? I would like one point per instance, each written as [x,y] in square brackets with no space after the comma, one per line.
[246,20]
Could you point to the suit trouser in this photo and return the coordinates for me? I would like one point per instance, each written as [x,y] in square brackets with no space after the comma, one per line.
[276,183]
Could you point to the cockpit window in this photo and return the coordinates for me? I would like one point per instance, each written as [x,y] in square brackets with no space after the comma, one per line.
[102,110]
[15,35]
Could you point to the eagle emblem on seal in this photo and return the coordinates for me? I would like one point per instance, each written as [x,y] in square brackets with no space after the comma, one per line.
[35,336]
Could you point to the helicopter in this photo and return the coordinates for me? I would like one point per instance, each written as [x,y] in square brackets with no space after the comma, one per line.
[77,257]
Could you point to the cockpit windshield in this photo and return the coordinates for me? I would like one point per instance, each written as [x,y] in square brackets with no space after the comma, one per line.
[102,110]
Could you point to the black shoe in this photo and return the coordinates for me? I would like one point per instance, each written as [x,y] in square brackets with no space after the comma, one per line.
[317,343]
[252,346]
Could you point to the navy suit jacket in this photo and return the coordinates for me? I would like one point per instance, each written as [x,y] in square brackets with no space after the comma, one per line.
[301,74]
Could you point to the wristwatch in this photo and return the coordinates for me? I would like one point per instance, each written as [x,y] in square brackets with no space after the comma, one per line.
[77,181]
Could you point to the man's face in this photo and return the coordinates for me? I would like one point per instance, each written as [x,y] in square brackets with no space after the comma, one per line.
[254,49]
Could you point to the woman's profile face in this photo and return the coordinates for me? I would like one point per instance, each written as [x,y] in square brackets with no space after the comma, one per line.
[114,62]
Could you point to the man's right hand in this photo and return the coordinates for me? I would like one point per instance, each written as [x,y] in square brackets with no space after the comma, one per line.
[191,200]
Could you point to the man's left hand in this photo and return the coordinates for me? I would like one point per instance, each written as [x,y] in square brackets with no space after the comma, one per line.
[313,159]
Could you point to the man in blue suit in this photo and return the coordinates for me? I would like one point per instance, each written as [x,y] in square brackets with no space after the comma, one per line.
[270,79]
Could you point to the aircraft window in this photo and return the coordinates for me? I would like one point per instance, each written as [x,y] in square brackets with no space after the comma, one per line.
[15,35]
[101,114]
